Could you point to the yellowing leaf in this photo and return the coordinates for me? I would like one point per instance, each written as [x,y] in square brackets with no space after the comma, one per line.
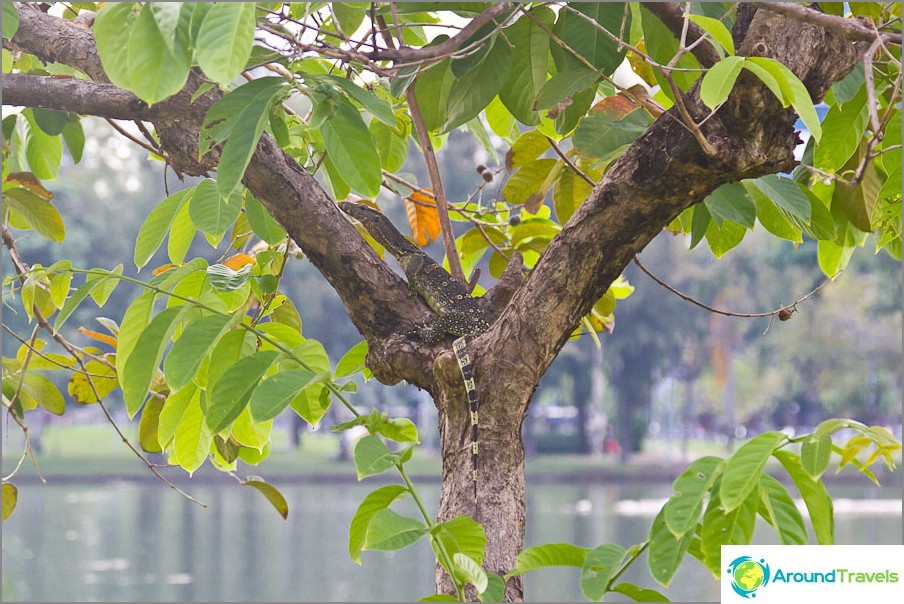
[423,217]
[237,261]
[163,269]
[27,180]
[100,337]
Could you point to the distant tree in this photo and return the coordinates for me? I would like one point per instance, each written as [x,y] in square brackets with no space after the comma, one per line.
[274,96]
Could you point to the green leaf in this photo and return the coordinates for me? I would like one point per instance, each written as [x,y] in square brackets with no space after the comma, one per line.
[187,353]
[10,26]
[843,130]
[389,531]
[743,470]
[374,105]
[271,493]
[155,71]
[42,150]
[148,437]
[399,429]
[51,122]
[666,551]
[550,554]
[460,535]
[682,512]
[44,393]
[171,414]
[786,194]
[192,439]
[432,93]
[74,136]
[815,453]
[662,46]
[439,598]
[716,29]
[157,225]
[779,510]
[565,85]
[793,91]
[529,64]
[166,14]
[373,503]
[587,40]
[392,146]
[353,361]
[144,359]
[599,566]
[832,257]
[231,392]
[40,213]
[727,527]
[847,88]
[112,29]
[10,492]
[471,93]
[224,40]
[771,217]
[262,223]
[495,591]
[352,150]
[349,15]
[720,80]
[815,496]
[471,572]
[528,180]
[372,457]
[570,191]
[724,237]
[224,279]
[210,211]
[182,233]
[639,594]
[276,392]
[731,202]
[602,132]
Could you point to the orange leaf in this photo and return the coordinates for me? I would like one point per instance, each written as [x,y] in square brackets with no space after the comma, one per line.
[100,337]
[28,181]
[237,261]
[616,106]
[163,269]
[423,217]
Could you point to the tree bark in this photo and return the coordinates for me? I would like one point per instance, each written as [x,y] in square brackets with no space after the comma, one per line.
[660,175]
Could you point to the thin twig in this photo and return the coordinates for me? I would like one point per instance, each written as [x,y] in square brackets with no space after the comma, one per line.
[791,308]
[134,139]
[570,163]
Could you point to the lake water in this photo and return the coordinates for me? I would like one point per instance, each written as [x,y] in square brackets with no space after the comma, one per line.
[142,542]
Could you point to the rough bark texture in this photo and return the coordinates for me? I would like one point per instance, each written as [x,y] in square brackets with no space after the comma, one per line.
[663,173]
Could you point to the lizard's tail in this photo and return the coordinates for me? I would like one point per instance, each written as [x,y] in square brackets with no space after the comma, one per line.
[464,364]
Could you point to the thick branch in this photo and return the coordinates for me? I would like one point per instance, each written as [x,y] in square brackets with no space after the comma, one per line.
[672,16]
[852,29]
[82,97]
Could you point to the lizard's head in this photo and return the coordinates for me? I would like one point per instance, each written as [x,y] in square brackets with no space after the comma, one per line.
[366,215]
[380,228]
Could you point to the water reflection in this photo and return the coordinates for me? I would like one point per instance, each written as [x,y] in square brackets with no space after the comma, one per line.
[133,542]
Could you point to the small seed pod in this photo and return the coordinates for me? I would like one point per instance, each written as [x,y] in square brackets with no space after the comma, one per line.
[487,175]
[784,314]
[515,219]
[480,168]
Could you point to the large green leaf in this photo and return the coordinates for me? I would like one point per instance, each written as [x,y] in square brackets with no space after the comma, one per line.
[352,149]
[158,224]
[470,572]
[376,106]
[276,392]
[156,71]
[815,496]
[779,510]
[389,531]
[392,145]
[193,437]
[682,512]
[171,414]
[276,499]
[550,554]
[262,223]
[530,61]
[719,81]
[373,503]
[231,392]
[786,194]
[662,45]
[727,527]
[210,211]
[40,213]
[639,594]
[112,29]
[602,132]
[460,535]
[731,202]
[599,566]
[432,93]
[528,181]
[666,550]
[144,359]
[42,150]
[74,135]
[793,91]
[564,86]
[10,492]
[352,361]
[585,37]
[52,122]
[843,128]
[815,454]
[715,28]
[743,470]
[10,26]
[224,40]
[372,456]
[471,93]
[167,14]
[189,350]
[349,15]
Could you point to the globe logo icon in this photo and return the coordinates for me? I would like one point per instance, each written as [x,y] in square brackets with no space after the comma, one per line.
[748,575]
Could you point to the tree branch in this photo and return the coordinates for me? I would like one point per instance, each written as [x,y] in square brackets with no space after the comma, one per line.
[672,16]
[852,29]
